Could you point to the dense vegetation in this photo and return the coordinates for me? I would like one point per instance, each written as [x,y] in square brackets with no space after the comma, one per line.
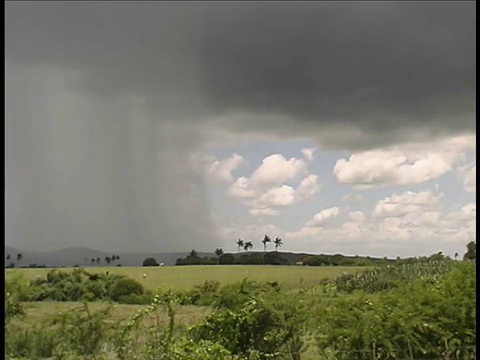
[79,285]
[276,258]
[281,258]
[413,309]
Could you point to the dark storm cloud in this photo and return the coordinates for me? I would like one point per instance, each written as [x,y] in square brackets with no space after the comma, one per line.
[383,68]
[144,49]
[350,75]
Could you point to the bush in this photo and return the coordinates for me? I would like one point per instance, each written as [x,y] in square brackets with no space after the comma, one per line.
[204,294]
[274,258]
[419,318]
[235,295]
[77,285]
[12,306]
[150,262]
[125,287]
[264,327]
[391,276]
[226,259]
[32,342]
[17,287]
[143,299]
[83,331]
[253,258]
[77,334]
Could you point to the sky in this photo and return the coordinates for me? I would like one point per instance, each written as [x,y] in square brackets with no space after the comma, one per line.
[340,127]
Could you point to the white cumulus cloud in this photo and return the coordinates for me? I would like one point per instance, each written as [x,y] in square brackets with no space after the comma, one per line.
[240,189]
[356,216]
[309,153]
[275,170]
[308,187]
[270,186]
[221,170]
[352,197]
[263,212]
[323,216]
[420,232]
[403,165]
[468,176]
[408,202]
[279,196]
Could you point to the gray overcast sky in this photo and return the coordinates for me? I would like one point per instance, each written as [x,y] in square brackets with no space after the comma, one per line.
[109,103]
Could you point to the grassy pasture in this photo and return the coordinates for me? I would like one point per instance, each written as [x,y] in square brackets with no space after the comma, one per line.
[184,277]
[333,323]
[37,311]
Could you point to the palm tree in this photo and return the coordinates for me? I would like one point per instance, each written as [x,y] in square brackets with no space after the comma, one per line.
[278,243]
[247,245]
[8,256]
[98,260]
[266,239]
[107,259]
[218,252]
[193,254]
[93,260]
[240,244]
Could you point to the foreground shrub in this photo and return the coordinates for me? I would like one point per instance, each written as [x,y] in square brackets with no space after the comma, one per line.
[204,294]
[422,319]
[13,307]
[187,349]
[17,287]
[235,295]
[83,331]
[137,299]
[125,287]
[76,334]
[392,276]
[164,341]
[32,342]
[267,327]
[78,285]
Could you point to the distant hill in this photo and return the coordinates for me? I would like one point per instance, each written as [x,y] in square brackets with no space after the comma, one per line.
[65,257]
[78,255]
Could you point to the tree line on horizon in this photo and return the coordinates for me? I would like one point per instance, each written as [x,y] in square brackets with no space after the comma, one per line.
[255,258]
[276,258]
[245,259]
[107,260]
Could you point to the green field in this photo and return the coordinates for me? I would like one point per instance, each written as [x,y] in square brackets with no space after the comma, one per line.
[185,277]
[37,311]
[389,312]
[175,277]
